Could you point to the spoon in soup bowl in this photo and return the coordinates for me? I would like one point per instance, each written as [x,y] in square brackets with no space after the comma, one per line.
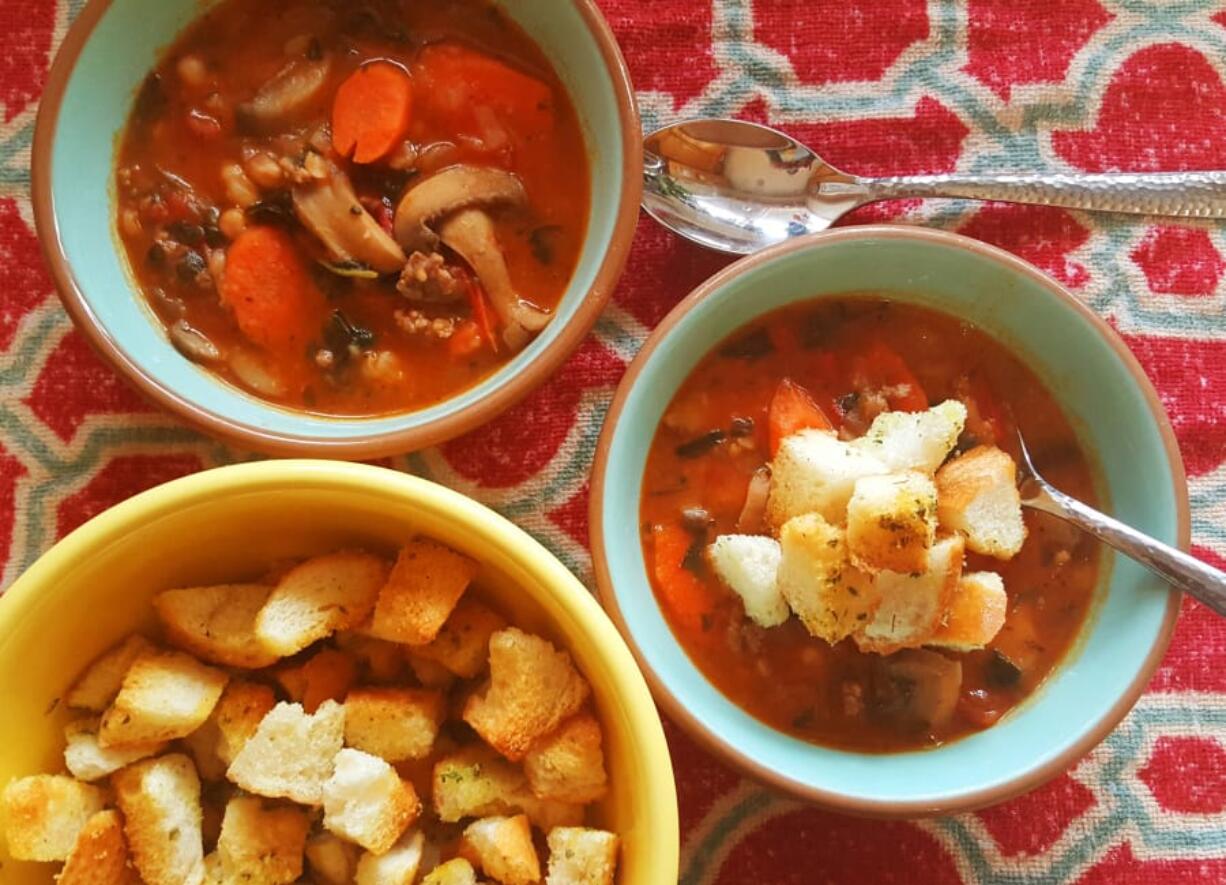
[1181,570]
[739,187]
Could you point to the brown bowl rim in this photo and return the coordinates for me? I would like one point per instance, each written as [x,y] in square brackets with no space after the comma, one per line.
[676,708]
[511,389]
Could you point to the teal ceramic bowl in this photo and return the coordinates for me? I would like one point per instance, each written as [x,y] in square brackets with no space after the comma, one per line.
[1117,416]
[104,58]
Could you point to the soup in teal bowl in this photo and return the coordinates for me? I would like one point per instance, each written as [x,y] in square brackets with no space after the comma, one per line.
[351,230]
[805,521]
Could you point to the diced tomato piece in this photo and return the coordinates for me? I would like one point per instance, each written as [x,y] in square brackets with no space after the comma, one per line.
[792,408]
[466,340]
[883,369]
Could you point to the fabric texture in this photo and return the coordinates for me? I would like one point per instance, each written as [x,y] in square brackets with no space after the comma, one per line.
[879,87]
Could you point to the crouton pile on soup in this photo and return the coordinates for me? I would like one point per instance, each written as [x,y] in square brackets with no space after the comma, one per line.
[352,208]
[345,719]
[832,527]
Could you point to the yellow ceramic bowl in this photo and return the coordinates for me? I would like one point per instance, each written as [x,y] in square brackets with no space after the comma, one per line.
[95,586]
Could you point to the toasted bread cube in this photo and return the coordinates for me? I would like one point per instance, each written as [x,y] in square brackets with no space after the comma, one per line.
[913,603]
[367,802]
[579,856]
[429,673]
[456,871]
[262,846]
[549,813]
[100,856]
[398,866]
[815,472]
[43,814]
[165,695]
[423,588]
[533,687]
[333,860]
[238,715]
[978,496]
[217,624]
[377,659]
[568,765]
[463,644]
[97,686]
[324,676]
[749,566]
[313,600]
[213,874]
[831,596]
[892,521]
[504,847]
[914,440]
[393,723]
[976,613]
[160,801]
[291,754]
[88,760]
[474,782]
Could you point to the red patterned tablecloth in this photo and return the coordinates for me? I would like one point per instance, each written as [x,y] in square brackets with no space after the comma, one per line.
[882,86]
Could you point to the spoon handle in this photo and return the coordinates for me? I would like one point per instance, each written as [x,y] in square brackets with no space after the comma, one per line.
[1183,571]
[1186,194]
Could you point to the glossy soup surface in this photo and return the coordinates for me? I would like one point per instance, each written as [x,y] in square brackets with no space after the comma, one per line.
[481,94]
[713,438]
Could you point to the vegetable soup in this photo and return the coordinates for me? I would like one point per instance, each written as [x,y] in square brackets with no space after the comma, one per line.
[352,208]
[832,527]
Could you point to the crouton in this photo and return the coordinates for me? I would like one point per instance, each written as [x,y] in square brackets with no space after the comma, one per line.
[97,686]
[398,866]
[831,596]
[913,603]
[424,586]
[978,496]
[393,723]
[377,659]
[505,850]
[324,676]
[238,715]
[463,644]
[165,695]
[475,782]
[42,815]
[579,856]
[815,472]
[548,813]
[569,764]
[322,595]
[160,801]
[333,860]
[262,846]
[976,613]
[367,802]
[290,756]
[100,856]
[88,760]
[456,871]
[533,687]
[914,440]
[216,623]
[892,521]
[749,566]
[429,673]
[201,745]
[213,874]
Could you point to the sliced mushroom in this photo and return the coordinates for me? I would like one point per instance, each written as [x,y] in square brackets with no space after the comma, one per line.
[330,209]
[285,97]
[470,233]
[445,192]
[916,688]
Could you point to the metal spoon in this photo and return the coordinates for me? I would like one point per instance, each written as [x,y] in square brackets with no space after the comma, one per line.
[1182,571]
[739,187]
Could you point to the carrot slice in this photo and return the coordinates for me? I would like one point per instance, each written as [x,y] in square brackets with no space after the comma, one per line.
[792,408]
[482,313]
[267,287]
[370,113]
[884,369]
[688,598]
[461,88]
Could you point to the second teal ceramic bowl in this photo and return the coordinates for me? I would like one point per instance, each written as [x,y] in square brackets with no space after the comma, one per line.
[105,57]
[1100,387]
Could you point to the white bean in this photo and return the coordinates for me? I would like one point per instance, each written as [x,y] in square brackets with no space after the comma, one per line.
[239,188]
[130,220]
[263,170]
[232,223]
[193,72]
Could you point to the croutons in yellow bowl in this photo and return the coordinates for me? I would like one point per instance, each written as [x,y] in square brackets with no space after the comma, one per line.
[96,586]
